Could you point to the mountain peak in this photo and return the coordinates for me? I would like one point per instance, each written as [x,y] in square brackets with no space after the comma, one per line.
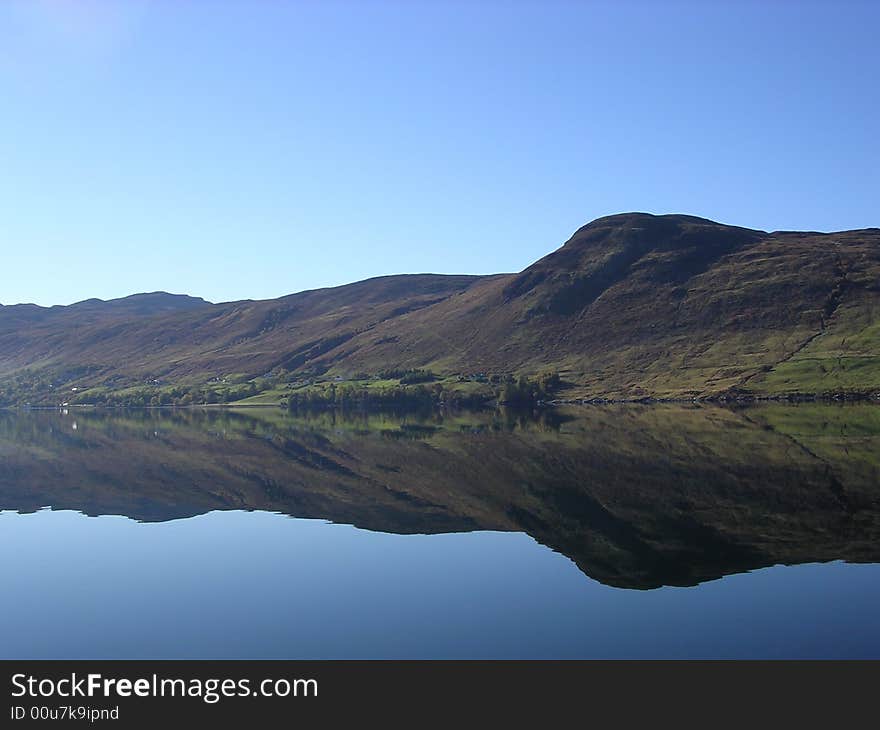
[654,221]
[606,251]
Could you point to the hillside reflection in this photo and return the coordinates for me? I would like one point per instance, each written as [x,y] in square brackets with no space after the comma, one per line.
[636,496]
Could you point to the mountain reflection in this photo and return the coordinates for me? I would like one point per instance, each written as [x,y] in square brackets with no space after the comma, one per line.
[636,496]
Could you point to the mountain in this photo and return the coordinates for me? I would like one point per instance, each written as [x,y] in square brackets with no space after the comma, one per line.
[632,305]
[116,345]
[145,305]
[141,305]
[638,304]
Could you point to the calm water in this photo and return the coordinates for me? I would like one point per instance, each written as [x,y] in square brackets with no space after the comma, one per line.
[602,532]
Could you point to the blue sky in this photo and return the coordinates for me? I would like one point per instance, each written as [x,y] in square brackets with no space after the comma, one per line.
[238,150]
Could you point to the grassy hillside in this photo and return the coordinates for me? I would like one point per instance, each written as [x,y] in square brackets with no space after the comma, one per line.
[674,306]
[632,305]
[45,353]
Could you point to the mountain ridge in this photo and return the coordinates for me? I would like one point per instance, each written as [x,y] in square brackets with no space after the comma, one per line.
[632,305]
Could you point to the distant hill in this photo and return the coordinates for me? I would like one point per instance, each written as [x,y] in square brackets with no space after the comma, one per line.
[142,305]
[632,305]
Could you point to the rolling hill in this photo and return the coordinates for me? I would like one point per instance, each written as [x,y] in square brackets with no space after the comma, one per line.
[632,305]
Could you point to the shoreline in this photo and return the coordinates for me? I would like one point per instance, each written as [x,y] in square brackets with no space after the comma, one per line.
[741,399]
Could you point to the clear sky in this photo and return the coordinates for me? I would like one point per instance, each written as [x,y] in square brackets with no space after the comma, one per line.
[237,150]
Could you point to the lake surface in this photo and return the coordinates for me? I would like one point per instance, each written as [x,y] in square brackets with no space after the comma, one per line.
[607,532]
